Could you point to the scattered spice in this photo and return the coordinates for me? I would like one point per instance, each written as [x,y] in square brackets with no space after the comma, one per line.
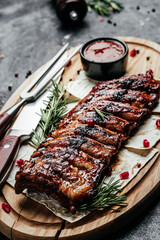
[138,7]
[141,22]
[137,51]
[124,175]
[20,162]
[148,58]
[6,207]
[66,37]
[78,71]
[28,74]
[148,12]
[138,165]
[10,87]
[153,10]
[133,53]
[111,9]
[146,143]
[16,74]
[109,21]
[90,122]
[69,63]
[1,56]
[158,123]
[114,24]
[149,73]
[101,19]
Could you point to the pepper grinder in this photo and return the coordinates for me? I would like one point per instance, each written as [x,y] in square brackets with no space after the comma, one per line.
[71,11]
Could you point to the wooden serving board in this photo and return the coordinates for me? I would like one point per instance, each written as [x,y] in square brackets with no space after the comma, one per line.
[30,220]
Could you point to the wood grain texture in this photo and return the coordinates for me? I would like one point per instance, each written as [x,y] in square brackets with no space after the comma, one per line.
[30,220]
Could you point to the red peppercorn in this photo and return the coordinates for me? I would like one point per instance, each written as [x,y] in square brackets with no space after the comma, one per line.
[158,123]
[20,162]
[69,63]
[124,175]
[1,56]
[138,165]
[16,74]
[90,122]
[146,143]
[133,53]
[149,73]
[101,19]
[6,207]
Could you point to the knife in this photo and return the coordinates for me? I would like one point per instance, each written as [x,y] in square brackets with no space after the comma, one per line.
[21,131]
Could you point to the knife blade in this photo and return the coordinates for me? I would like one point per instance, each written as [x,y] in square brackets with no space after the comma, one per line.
[21,130]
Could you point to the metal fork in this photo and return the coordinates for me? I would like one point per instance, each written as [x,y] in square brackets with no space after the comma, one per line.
[37,86]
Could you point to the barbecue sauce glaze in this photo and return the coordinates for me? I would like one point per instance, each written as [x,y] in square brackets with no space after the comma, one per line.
[104,51]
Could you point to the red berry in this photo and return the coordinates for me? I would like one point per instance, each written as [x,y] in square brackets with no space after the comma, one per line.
[146,143]
[16,74]
[133,52]
[69,63]
[138,165]
[124,175]
[158,123]
[90,122]
[149,73]
[20,162]
[6,207]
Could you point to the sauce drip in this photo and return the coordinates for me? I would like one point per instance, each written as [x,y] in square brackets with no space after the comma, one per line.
[104,51]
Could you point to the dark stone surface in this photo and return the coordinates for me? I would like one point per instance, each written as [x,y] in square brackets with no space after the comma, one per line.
[31,33]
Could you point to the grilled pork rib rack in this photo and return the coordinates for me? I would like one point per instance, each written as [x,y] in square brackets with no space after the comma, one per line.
[69,163]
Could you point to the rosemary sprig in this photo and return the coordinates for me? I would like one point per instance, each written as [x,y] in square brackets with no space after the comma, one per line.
[103,7]
[102,114]
[55,110]
[107,195]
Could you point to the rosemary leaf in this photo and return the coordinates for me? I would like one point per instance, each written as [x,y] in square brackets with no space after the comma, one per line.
[106,196]
[116,6]
[55,110]
[103,7]
[102,114]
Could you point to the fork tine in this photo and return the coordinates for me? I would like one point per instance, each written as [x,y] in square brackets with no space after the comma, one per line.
[52,73]
[45,70]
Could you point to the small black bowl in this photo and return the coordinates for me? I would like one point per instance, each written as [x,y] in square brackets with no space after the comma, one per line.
[104,70]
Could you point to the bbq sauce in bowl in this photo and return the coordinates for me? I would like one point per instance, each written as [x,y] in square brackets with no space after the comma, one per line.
[104,51]
[104,58]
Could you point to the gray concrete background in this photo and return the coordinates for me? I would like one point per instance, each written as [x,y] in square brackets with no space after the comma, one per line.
[31,33]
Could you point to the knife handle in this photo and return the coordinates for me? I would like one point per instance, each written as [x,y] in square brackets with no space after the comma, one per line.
[6,118]
[9,147]
[4,121]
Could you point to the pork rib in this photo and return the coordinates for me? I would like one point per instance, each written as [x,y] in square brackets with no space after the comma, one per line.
[69,163]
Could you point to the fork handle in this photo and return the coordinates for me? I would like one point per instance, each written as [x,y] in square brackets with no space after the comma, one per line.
[7,116]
